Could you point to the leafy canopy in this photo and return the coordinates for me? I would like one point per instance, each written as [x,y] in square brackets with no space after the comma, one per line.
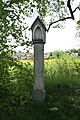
[14,12]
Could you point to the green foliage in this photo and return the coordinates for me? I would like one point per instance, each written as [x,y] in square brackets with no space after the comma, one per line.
[78,28]
[16,79]
[12,24]
[62,84]
[57,54]
[13,17]
[16,84]
[65,70]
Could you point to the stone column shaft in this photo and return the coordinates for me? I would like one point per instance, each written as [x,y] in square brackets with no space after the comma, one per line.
[39,92]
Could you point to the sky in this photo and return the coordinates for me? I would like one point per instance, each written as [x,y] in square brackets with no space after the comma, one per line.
[64,39]
[61,39]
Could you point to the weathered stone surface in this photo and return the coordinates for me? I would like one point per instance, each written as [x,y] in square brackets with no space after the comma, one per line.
[39,95]
[39,39]
[39,92]
[38,23]
[39,66]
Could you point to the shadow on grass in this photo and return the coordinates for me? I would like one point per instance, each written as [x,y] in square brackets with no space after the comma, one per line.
[61,103]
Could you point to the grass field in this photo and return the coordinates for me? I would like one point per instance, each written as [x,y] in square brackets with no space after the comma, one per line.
[27,61]
[62,85]
[32,61]
[45,61]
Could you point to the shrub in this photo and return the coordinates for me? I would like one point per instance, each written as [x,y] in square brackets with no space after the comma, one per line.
[16,84]
[65,70]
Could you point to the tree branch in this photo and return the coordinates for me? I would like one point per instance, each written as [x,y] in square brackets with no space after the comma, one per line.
[70,9]
[76,9]
[58,21]
[71,17]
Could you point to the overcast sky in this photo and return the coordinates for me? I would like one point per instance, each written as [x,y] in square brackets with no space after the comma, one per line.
[60,39]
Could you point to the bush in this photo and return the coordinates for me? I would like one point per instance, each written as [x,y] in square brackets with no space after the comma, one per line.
[65,70]
[16,84]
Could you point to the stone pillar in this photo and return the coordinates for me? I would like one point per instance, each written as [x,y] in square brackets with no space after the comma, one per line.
[39,91]
[39,39]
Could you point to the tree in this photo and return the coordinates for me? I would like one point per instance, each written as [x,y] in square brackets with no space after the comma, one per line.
[78,28]
[12,24]
[14,12]
[15,78]
[69,17]
[73,51]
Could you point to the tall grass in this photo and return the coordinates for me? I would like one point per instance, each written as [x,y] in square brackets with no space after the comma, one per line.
[63,71]
[62,84]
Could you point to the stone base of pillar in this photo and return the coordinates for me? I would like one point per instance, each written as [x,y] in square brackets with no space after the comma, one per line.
[39,95]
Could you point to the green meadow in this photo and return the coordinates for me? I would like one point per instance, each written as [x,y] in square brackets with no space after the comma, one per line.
[62,85]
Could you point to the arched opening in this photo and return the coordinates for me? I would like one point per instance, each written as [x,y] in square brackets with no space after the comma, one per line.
[37,33]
